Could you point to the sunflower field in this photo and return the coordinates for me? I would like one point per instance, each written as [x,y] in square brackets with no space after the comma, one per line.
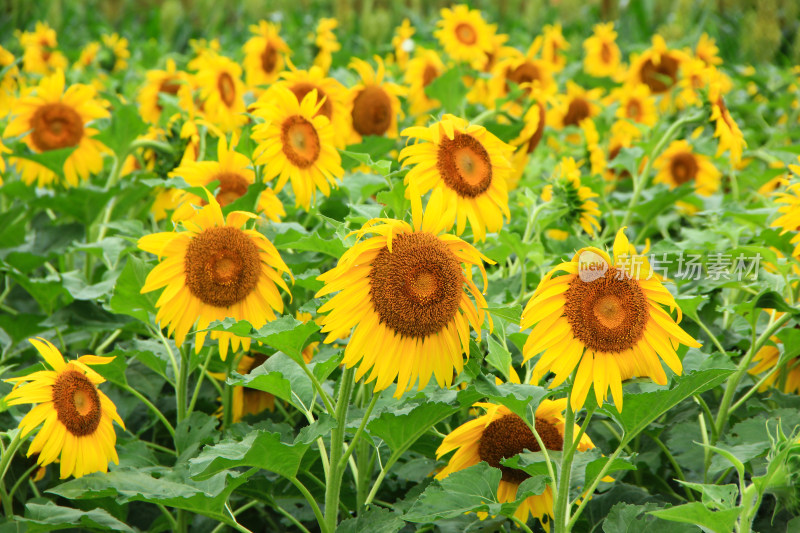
[394,266]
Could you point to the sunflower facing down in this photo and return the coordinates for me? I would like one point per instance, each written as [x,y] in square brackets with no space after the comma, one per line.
[214,270]
[602,57]
[77,416]
[374,103]
[679,164]
[406,290]
[786,377]
[534,121]
[730,136]
[790,213]
[263,54]
[468,164]
[500,434]
[464,35]
[54,118]
[297,144]
[610,325]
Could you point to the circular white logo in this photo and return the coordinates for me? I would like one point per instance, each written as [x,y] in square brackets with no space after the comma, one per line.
[591,266]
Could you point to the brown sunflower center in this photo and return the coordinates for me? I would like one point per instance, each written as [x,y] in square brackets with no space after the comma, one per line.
[300,141]
[56,126]
[222,266]
[524,73]
[227,89]
[77,403]
[605,53]
[372,111]
[464,165]
[683,167]
[466,33]
[633,109]
[577,110]
[607,314]
[537,135]
[660,78]
[232,186]
[302,88]
[507,436]
[416,288]
[429,74]
[269,58]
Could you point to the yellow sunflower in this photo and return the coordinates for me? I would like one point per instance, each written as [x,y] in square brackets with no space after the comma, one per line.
[8,82]
[51,118]
[118,48]
[3,150]
[468,164]
[575,106]
[221,90]
[786,377]
[678,164]
[623,134]
[695,76]
[247,401]
[730,136]
[234,172]
[602,58]
[605,318]
[263,54]
[658,67]
[552,46]
[374,104]
[88,55]
[214,270]
[636,103]
[464,35]
[597,157]
[296,143]
[534,122]
[566,186]
[402,43]
[77,416]
[790,214]
[326,43]
[41,56]
[406,291]
[500,434]
[706,50]
[526,71]
[158,82]
[331,94]
[420,71]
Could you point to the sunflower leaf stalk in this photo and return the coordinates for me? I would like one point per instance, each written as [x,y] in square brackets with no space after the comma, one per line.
[561,507]
[333,483]
[5,461]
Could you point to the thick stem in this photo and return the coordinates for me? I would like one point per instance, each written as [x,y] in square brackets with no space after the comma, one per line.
[334,481]
[561,510]
[5,461]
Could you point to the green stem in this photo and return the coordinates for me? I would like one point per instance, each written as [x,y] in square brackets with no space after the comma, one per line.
[312,502]
[561,510]
[334,481]
[5,462]
[675,465]
[181,385]
[522,525]
[106,343]
[593,486]
[738,403]
[24,477]
[196,392]
[142,398]
[359,431]
[318,388]
[710,335]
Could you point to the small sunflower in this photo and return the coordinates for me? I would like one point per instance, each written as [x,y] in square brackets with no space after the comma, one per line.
[575,106]
[609,325]
[8,82]
[420,71]
[623,134]
[526,71]
[402,43]
[552,46]
[602,58]
[88,55]
[297,144]
[51,118]
[263,54]
[464,35]
[678,164]
[214,270]
[566,186]
[707,51]
[406,290]
[77,416]
[597,157]
[374,104]
[534,122]
[468,164]
[326,43]
[234,172]
[786,377]
[500,434]
[790,214]
[636,103]
[118,51]
[730,136]
[696,75]
[169,81]
[221,90]
[658,67]
[41,55]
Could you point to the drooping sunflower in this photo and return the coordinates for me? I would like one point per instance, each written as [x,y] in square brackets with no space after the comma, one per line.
[529,138]
[603,57]
[553,44]
[406,290]
[623,134]
[326,43]
[468,164]
[51,118]
[500,434]
[785,377]
[420,71]
[575,106]
[567,188]
[234,172]
[41,55]
[790,214]
[402,43]
[169,81]
[214,270]
[464,35]
[678,164]
[263,54]
[374,104]
[77,416]
[221,90]
[730,136]
[635,103]
[605,318]
[597,156]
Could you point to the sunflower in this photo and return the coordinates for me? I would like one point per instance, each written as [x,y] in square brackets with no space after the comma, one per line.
[773,185]
[425,67]
[636,103]
[8,81]
[464,35]
[169,81]
[730,136]
[552,46]
[247,401]
[326,43]
[790,214]
[597,157]
[403,289]
[221,90]
[529,138]
[786,376]
[77,416]
[575,106]
[678,164]
[234,172]
[214,270]
[52,118]
[88,55]
[402,43]
[373,103]
[605,318]
[706,50]
[41,56]
[500,434]
[263,54]
[3,150]
[468,164]
[308,351]
[696,75]
[523,70]
[566,186]
[623,134]
[657,67]
[118,49]
[602,58]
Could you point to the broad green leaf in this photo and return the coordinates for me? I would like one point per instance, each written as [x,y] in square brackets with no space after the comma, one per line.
[512,313]
[449,89]
[521,399]
[593,468]
[193,432]
[51,159]
[75,282]
[698,514]
[499,356]
[281,376]
[294,240]
[286,333]
[628,518]
[375,520]
[127,298]
[382,167]
[52,517]
[715,496]
[126,125]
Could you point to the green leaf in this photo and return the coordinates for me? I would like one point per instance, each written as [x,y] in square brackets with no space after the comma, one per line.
[594,467]
[51,517]
[376,520]
[628,518]
[51,159]
[773,300]
[193,432]
[281,376]
[127,298]
[382,167]
[697,513]
[286,334]
[449,89]
[715,496]
[259,449]
[394,198]
[499,356]
[512,314]
[521,399]
[294,240]
[126,125]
